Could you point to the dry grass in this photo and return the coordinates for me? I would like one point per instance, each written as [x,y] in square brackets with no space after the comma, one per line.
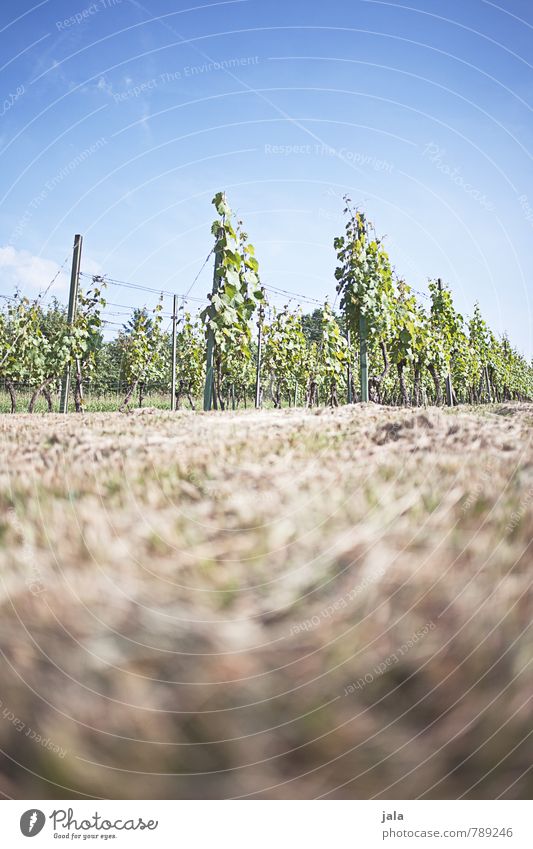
[279,605]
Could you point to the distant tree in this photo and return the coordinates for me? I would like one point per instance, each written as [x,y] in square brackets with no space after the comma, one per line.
[139,316]
[108,374]
[312,325]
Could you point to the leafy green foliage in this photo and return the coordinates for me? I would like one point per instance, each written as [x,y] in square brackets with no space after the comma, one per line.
[22,344]
[285,353]
[424,346]
[237,291]
[333,354]
[190,359]
[236,295]
[142,349]
[412,348]
[85,337]
[364,276]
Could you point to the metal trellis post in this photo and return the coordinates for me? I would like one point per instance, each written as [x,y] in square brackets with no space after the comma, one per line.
[363,357]
[174,340]
[259,354]
[449,387]
[349,366]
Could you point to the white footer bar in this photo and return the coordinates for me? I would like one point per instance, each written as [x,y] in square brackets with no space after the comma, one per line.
[268,824]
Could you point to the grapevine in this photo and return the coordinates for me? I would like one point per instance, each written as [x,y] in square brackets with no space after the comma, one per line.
[408,352]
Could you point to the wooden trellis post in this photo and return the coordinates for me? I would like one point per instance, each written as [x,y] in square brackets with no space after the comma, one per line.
[71,315]
[209,376]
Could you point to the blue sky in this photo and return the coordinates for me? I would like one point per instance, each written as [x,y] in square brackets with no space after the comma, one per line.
[121,120]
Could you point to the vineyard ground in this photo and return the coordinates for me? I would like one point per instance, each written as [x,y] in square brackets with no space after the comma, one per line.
[281,604]
[110,402]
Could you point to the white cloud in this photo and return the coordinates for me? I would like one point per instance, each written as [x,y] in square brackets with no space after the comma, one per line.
[105,86]
[32,274]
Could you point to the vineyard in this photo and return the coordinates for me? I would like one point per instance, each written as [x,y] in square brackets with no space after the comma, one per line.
[375,342]
[266,423]
[332,600]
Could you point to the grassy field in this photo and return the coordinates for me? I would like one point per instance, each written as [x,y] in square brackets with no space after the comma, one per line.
[290,604]
[108,402]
